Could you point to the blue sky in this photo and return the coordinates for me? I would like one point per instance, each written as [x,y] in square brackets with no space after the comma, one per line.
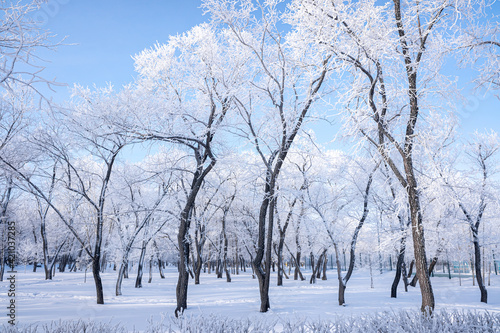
[107,33]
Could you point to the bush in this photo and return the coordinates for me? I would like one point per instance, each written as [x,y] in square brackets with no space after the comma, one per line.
[385,322]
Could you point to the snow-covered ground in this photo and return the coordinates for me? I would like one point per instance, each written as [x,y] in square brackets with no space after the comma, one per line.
[68,297]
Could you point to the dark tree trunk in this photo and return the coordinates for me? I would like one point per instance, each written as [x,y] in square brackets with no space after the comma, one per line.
[228,275]
[278,249]
[432,265]
[224,237]
[197,269]
[279,254]
[218,268]
[2,265]
[325,262]
[160,269]
[138,280]
[182,282]
[243,264]
[236,258]
[316,267]
[477,267]
[319,265]
[104,261]
[282,235]
[150,270]
[263,273]
[199,239]
[121,275]
[2,259]
[3,225]
[422,272]
[399,268]
[63,262]
[412,264]
[405,275]
[184,249]
[125,272]
[297,268]
[313,275]
[96,262]
[494,262]
[160,263]
[397,277]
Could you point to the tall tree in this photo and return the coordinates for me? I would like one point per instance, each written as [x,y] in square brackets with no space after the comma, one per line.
[285,83]
[192,78]
[393,54]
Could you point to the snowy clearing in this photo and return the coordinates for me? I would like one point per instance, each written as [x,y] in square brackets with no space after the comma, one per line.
[68,297]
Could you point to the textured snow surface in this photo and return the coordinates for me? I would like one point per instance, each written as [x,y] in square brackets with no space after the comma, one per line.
[68,297]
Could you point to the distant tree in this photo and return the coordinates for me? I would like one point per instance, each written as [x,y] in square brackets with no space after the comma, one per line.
[471,190]
[141,193]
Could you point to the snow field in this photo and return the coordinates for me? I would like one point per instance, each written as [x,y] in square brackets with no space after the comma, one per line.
[69,298]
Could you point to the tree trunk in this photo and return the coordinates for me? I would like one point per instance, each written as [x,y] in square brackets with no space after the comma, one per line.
[150,270]
[411,66]
[138,280]
[3,225]
[228,275]
[182,282]
[219,268]
[197,268]
[125,272]
[422,271]
[319,265]
[477,267]
[121,275]
[183,242]
[243,264]
[325,262]
[62,263]
[412,264]
[160,268]
[104,261]
[399,268]
[199,242]
[263,273]
[224,234]
[236,257]
[339,276]
[2,265]
[96,262]
[279,253]
[313,275]
[297,272]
